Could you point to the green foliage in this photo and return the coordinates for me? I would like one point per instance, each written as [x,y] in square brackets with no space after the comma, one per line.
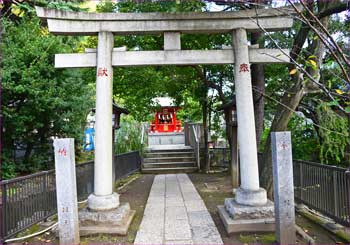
[128,136]
[160,6]
[39,101]
[335,135]
[305,144]
[8,167]
[67,6]
[135,87]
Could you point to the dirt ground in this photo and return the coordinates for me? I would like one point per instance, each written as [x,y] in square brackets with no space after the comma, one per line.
[136,193]
[214,188]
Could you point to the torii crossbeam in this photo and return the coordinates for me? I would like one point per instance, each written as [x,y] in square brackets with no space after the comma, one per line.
[249,196]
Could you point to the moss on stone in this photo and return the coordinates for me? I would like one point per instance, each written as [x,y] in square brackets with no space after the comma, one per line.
[126,180]
[339,233]
[32,229]
[268,238]
[343,235]
[311,217]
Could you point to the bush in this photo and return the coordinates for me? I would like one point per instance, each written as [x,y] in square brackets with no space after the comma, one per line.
[128,136]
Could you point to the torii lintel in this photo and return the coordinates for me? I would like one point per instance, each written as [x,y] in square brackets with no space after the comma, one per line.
[83,23]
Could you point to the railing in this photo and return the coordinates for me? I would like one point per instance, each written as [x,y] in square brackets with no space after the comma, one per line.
[30,199]
[323,188]
[219,157]
[143,138]
[85,180]
[127,163]
[27,200]
[194,142]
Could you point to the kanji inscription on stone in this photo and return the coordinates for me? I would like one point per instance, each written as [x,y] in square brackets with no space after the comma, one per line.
[282,162]
[67,206]
[101,72]
[243,67]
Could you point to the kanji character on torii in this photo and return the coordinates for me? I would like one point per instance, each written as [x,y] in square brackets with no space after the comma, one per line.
[106,25]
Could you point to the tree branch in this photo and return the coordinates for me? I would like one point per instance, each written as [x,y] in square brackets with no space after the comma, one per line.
[322,39]
[210,83]
[327,33]
[334,9]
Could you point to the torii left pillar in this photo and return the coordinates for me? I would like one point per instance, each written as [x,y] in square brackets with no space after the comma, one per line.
[103,202]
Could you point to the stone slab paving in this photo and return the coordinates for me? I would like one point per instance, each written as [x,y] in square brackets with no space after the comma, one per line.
[176,214]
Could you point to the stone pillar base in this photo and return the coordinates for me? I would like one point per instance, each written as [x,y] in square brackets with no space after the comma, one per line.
[251,198]
[113,221]
[238,218]
[103,203]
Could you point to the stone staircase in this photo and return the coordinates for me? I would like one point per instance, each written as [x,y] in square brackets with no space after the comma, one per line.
[169,159]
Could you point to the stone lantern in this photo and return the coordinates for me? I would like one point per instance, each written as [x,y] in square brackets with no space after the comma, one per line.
[231,119]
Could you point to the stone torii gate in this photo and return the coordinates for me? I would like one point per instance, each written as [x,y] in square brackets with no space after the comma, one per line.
[250,198]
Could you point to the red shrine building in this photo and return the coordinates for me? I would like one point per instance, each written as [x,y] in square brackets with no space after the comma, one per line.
[165,120]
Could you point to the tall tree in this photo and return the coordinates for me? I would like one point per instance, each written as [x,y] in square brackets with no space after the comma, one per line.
[304,82]
[39,101]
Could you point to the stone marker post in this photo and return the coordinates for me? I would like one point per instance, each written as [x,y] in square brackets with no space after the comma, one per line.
[66,188]
[283,187]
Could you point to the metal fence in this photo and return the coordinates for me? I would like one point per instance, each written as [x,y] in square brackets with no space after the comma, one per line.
[127,163]
[219,157]
[30,199]
[27,200]
[323,188]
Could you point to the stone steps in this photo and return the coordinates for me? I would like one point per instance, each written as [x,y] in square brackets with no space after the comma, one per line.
[168,165]
[169,170]
[169,154]
[168,148]
[169,159]
[163,160]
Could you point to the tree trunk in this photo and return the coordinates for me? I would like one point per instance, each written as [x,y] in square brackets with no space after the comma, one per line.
[1,116]
[290,102]
[279,123]
[348,147]
[258,82]
[28,152]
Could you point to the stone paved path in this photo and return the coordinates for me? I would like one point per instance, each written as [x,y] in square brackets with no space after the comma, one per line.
[176,214]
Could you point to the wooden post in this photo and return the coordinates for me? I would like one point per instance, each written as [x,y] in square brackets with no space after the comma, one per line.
[66,188]
[301,181]
[283,187]
[335,193]
[187,133]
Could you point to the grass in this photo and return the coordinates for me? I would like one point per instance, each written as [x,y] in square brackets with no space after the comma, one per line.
[127,180]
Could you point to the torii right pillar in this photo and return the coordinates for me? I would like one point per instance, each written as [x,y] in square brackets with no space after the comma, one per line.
[250,210]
